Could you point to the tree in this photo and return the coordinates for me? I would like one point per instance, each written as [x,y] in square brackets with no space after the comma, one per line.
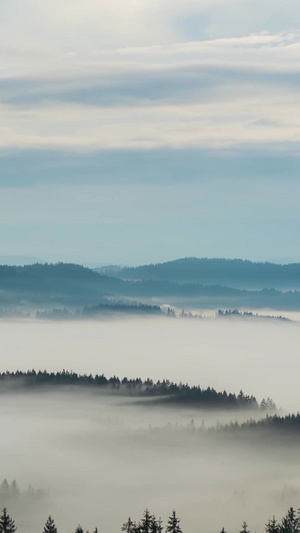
[244,528]
[79,529]
[146,522]
[156,525]
[50,526]
[290,523]
[128,526]
[223,530]
[7,525]
[4,488]
[173,524]
[272,526]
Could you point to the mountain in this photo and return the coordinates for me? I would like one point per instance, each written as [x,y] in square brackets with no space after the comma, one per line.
[229,272]
[49,285]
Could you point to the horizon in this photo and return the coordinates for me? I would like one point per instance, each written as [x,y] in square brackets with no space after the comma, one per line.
[21,261]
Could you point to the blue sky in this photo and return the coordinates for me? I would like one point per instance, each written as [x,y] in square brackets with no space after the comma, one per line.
[143,131]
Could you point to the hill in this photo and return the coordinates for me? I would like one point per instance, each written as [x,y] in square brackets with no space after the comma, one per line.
[230,272]
[52,285]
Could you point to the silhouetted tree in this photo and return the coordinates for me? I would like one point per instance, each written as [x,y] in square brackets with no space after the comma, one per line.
[79,529]
[290,523]
[156,525]
[272,526]
[7,525]
[146,522]
[244,528]
[50,526]
[128,526]
[4,489]
[173,524]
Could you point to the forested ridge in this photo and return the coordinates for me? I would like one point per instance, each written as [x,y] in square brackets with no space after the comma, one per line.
[136,387]
[75,285]
[213,271]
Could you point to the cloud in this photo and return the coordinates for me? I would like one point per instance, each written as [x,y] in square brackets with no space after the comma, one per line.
[239,116]
[89,76]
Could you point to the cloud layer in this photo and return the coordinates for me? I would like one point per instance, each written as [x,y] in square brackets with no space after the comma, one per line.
[87,76]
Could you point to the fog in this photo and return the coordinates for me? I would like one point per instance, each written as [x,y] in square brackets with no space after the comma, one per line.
[97,455]
[260,357]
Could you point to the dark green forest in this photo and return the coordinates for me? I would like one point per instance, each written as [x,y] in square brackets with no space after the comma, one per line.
[164,391]
[149,523]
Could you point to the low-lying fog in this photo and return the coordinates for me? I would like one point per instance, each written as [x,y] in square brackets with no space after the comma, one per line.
[96,454]
[260,357]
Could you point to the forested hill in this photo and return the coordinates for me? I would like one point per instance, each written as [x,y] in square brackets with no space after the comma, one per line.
[63,283]
[51,285]
[230,272]
[164,391]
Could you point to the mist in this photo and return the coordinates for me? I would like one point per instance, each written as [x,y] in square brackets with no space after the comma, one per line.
[224,354]
[104,458]
[101,463]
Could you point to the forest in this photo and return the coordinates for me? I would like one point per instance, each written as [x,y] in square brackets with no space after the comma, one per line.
[149,523]
[231,272]
[73,285]
[164,391]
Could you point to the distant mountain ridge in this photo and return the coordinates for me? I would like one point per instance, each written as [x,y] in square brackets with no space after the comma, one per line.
[61,284]
[229,272]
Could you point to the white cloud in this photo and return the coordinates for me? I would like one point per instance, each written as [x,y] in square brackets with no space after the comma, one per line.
[92,75]
[255,117]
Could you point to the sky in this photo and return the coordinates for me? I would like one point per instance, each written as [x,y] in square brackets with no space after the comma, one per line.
[143,131]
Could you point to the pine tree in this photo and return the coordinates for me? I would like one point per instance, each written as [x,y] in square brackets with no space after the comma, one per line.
[128,526]
[50,526]
[272,526]
[244,528]
[290,523]
[145,524]
[173,524]
[223,530]
[156,525]
[7,525]
[79,529]
[4,488]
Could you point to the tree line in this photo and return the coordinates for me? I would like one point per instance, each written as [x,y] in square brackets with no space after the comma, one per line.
[290,523]
[165,390]
[13,492]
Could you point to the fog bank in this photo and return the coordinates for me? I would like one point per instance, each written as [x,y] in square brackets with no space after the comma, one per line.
[257,356]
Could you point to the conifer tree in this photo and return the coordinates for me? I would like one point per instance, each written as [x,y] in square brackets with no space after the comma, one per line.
[50,526]
[272,526]
[244,528]
[146,522]
[129,526]
[223,530]
[291,522]
[156,525]
[173,524]
[4,488]
[79,529]
[7,525]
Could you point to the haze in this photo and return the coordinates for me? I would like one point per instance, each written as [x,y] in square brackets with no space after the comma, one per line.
[95,453]
[225,354]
